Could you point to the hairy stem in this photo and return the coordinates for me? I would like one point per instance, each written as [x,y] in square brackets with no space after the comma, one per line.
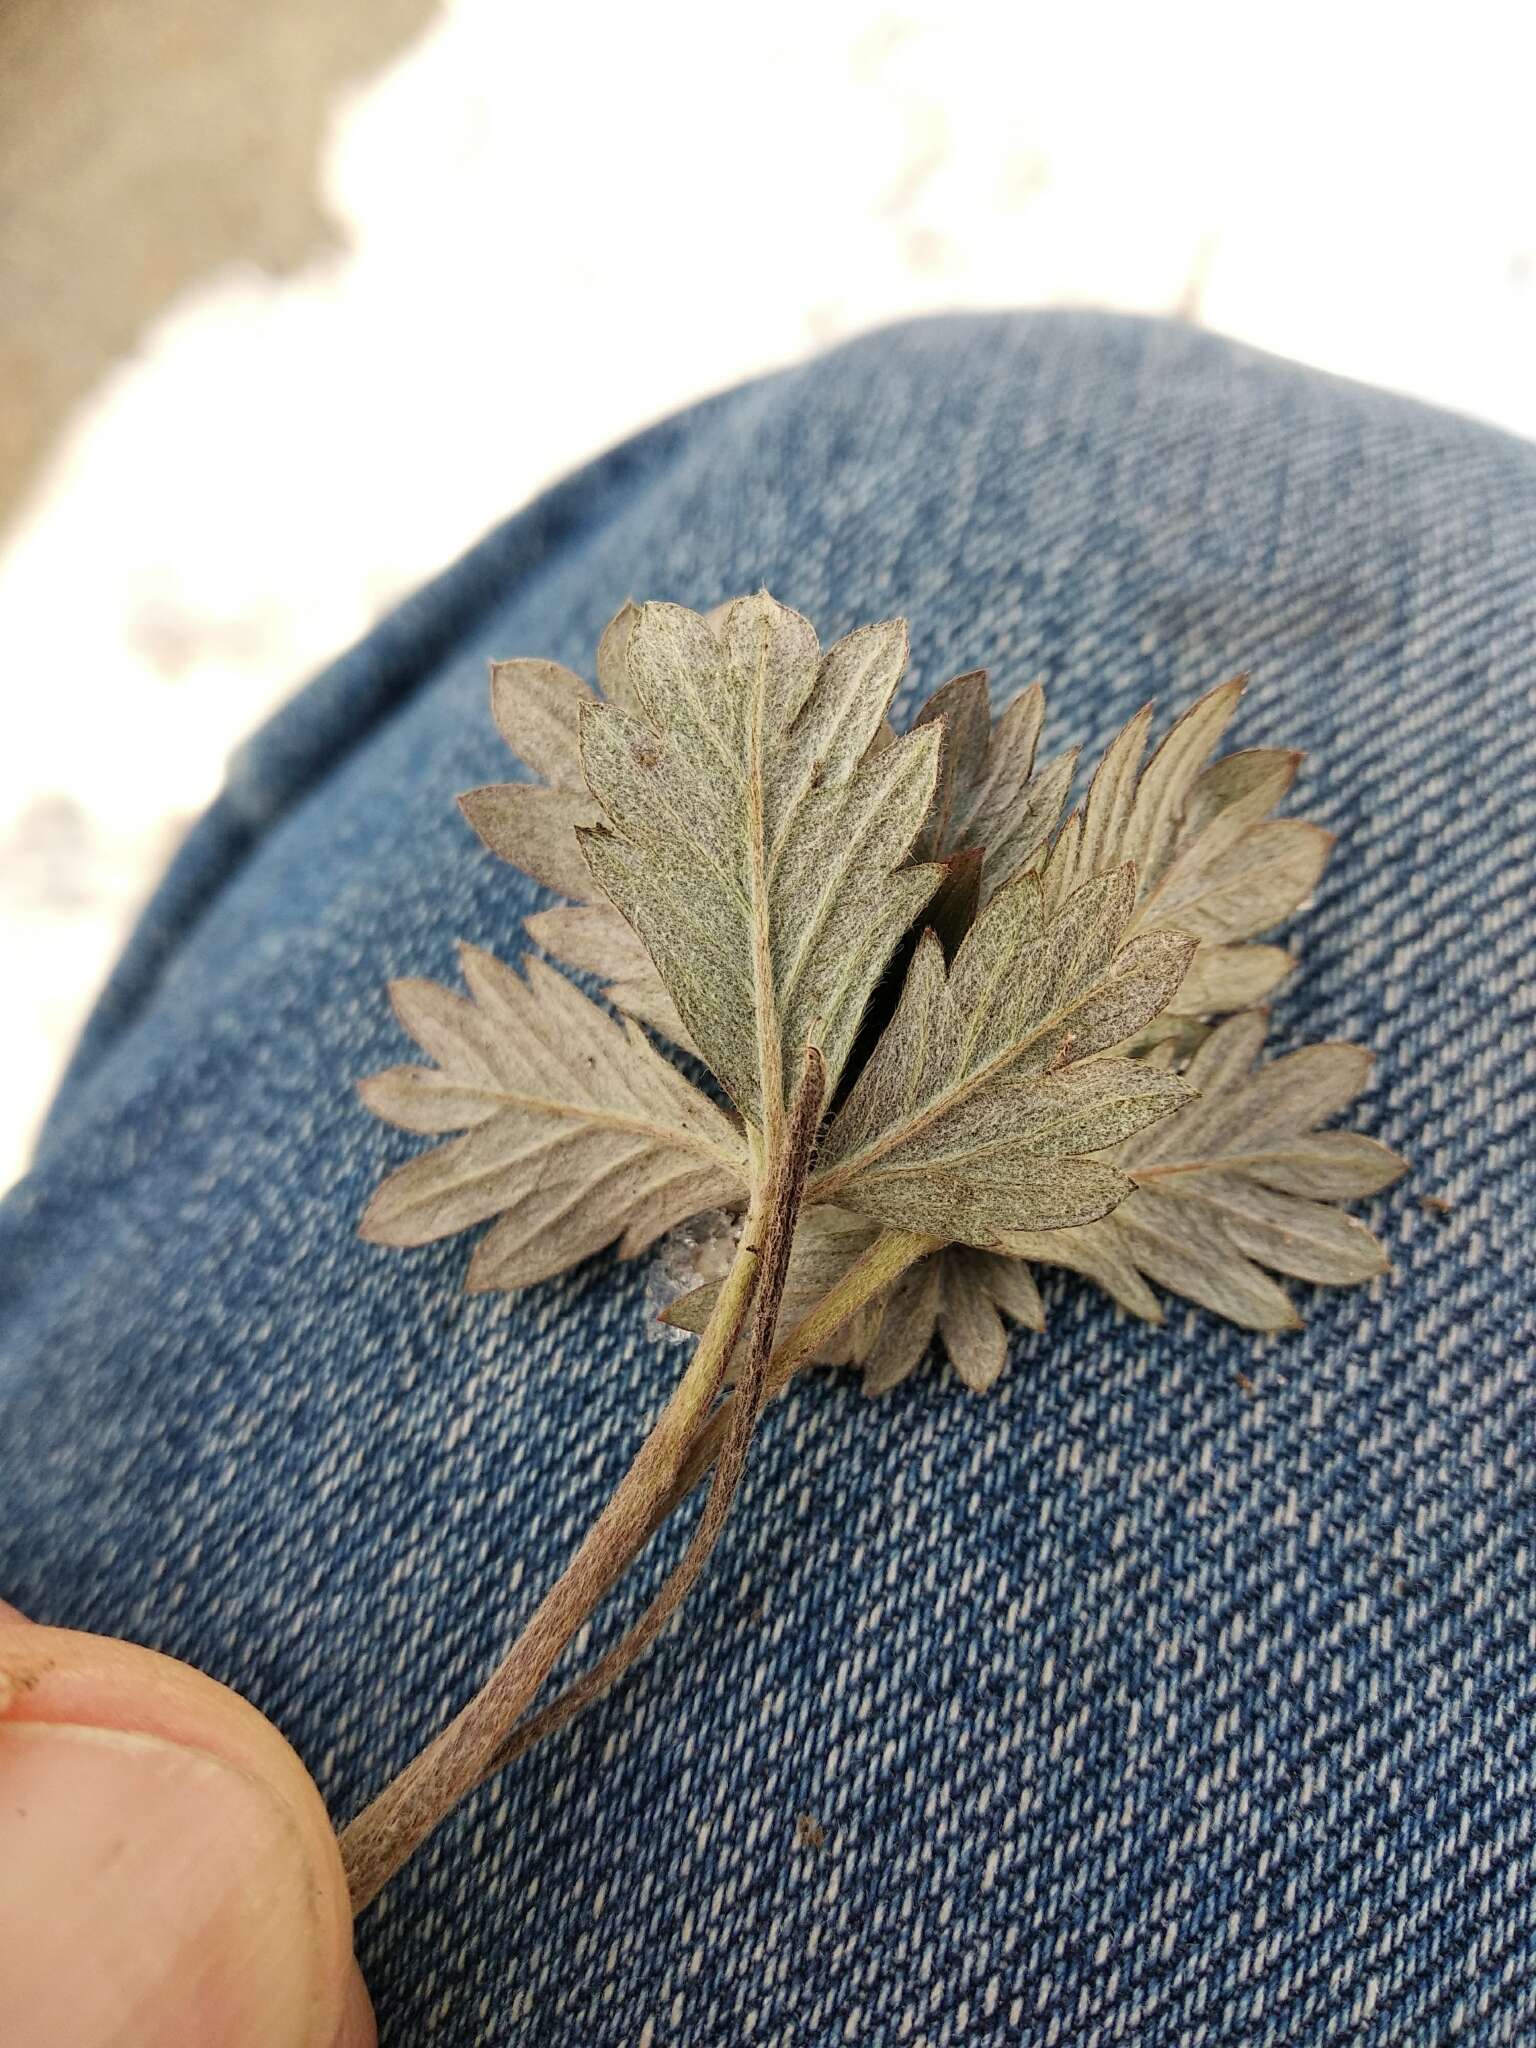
[746,1407]
[885,1261]
[394,1825]
[733,1422]
[390,1829]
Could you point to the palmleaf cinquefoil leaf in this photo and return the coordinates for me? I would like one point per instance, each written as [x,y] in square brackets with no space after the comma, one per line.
[752,838]
[975,1109]
[576,1131]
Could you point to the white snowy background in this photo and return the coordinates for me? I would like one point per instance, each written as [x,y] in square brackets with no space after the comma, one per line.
[558,224]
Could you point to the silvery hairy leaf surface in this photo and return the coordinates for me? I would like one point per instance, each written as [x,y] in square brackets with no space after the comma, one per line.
[751,838]
[576,1130]
[1030,1018]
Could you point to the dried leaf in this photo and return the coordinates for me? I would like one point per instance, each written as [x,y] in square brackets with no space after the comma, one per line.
[759,829]
[970,1313]
[1018,840]
[1098,1254]
[537,707]
[962,1297]
[1247,784]
[961,707]
[1222,979]
[748,839]
[1130,815]
[973,1112]
[612,660]
[1239,1181]
[907,1327]
[955,902]
[535,829]
[1168,1039]
[1237,878]
[576,1130]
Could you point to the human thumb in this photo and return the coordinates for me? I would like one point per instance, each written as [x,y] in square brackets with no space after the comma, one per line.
[167,1872]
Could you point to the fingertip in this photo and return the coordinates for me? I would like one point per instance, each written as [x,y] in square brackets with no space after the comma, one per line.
[156,1893]
[167,1825]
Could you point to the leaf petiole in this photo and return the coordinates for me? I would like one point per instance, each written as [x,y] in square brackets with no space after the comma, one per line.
[885,1260]
[389,1830]
[738,1418]
[480,1737]
[870,1275]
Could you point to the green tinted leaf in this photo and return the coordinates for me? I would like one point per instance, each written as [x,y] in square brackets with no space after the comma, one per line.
[1239,1181]
[751,838]
[969,1116]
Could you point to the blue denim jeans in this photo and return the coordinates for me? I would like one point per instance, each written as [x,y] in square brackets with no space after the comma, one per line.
[1182,1690]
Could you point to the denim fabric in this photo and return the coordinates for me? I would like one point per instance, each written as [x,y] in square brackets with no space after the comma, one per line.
[1183,1690]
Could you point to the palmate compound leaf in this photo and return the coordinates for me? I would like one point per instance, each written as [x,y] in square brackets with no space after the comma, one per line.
[1206,850]
[576,1131]
[1210,861]
[974,1111]
[751,836]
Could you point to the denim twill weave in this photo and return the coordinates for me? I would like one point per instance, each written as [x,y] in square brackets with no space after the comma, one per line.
[1183,1690]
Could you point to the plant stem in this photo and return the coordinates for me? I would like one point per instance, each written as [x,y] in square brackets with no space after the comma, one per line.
[389,1830]
[745,1409]
[731,1425]
[393,1826]
[885,1261]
